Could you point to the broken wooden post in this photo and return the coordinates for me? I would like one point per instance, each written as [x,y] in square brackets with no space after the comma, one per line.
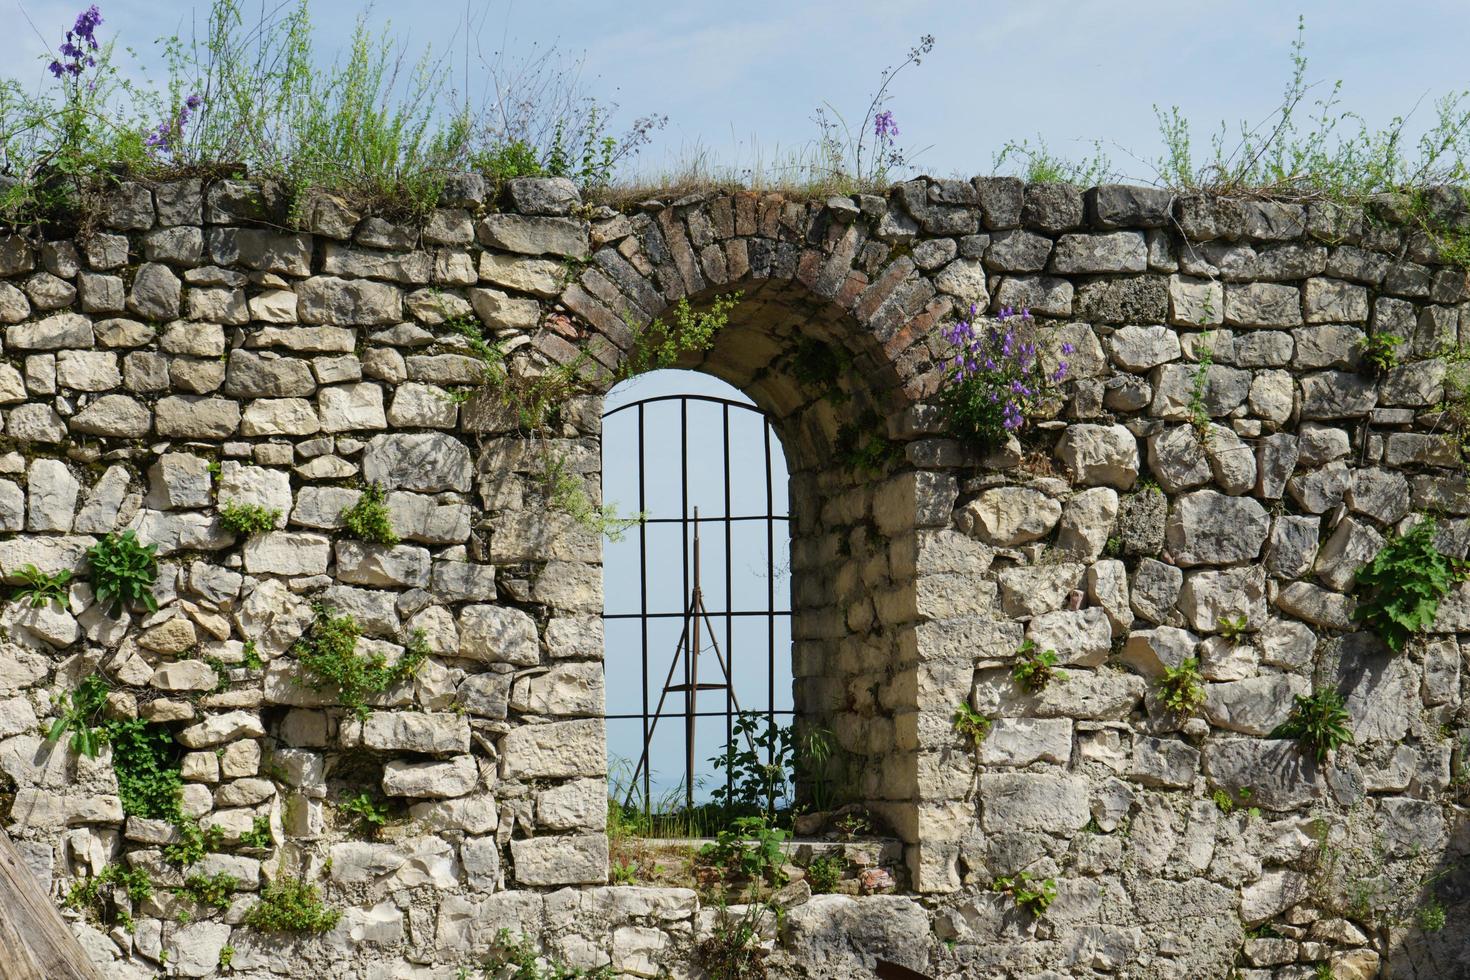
[35,943]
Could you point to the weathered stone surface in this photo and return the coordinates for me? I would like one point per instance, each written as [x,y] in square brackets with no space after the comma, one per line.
[1142,348]
[347,302]
[1009,516]
[1209,528]
[1208,596]
[1253,706]
[1100,455]
[426,462]
[496,634]
[1053,803]
[534,235]
[557,750]
[1276,773]
[560,860]
[416,731]
[1082,637]
[455,777]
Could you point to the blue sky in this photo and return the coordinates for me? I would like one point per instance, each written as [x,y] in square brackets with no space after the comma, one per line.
[734,78]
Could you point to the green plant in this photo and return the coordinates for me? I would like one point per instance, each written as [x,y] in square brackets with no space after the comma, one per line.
[1322,970]
[1399,591]
[226,957]
[1036,668]
[146,761]
[657,345]
[1032,894]
[1199,413]
[87,895]
[1380,350]
[1233,628]
[971,724]
[1431,915]
[365,811]
[217,891]
[824,873]
[39,588]
[192,841]
[1319,721]
[123,570]
[291,905]
[242,518]
[623,872]
[993,378]
[80,710]
[1179,688]
[1039,165]
[733,950]
[757,775]
[250,656]
[259,835]
[368,520]
[327,651]
[817,765]
[567,492]
[514,958]
[751,847]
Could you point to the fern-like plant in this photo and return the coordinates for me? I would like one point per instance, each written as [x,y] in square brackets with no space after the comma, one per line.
[1399,591]
[243,518]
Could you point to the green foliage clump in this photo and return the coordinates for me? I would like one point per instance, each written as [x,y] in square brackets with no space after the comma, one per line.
[87,895]
[123,570]
[971,724]
[1380,350]
[825,872]
[514,958]
[734,949]
[568,493]
[259,835]
[1233,628]
[192,841]
[368,520]
[863,445]
[251,658]
[291,905]
[366,812]
[1035,669]
[217,891]
[243,518]
[38,588]
[146,761]
[1033,895]
[80,710]
[328,653]
[1179,688]
[757,774]
[751,847]
[657,345]
[1431,915]
[1399,591]
[1318,721]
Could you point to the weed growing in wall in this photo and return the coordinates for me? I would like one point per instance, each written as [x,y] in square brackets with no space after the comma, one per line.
[368,519]
[122,570]
[1180,689]
[146,761]
[37,588]
[243,518]
[365,812]
[825,872]
[750,848]
[994,379]
[292,905]
[1319,722]
[659,344]
[215,891]
[1035,669]
[1399,591]
[1380,350]
[327,651]
[515,958]
[1035,895]
[734,948]
[81,710]
[970,724]
[95,896]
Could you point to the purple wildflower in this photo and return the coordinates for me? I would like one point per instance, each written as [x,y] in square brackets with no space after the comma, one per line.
[166,134]
[883,126]
[83,32]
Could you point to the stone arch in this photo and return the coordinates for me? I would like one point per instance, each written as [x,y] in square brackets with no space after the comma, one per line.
[832,339]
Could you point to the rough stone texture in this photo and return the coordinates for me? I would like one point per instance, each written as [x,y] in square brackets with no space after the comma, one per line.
[1151,511]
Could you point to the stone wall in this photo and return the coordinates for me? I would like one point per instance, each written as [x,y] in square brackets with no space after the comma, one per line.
[208,344]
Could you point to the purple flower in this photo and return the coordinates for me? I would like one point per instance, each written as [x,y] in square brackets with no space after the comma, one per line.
[883,126]
[77,58]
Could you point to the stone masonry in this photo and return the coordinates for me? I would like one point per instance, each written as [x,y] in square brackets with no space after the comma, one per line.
[1219,454]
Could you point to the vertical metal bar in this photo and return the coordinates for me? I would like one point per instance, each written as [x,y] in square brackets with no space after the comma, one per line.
[729,600]
[691,709]
[770,585]
[684,554]
[643,608]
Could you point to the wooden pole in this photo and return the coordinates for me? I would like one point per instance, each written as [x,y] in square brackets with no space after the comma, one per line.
[35,943]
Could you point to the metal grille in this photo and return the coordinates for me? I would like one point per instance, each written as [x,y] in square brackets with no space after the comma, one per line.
[664,419]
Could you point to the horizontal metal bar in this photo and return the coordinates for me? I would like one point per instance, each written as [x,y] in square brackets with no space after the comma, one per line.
[712,612]
[679,688]
[704,519]
[685,398]
[701,714]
